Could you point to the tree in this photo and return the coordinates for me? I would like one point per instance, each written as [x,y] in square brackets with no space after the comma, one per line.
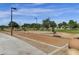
[53,25]
[59,25]
[64,25]
[33,25]
[24,26]
[38,26]
[46,23]
[78,25]
[2,27]
[72,24]
[13,24]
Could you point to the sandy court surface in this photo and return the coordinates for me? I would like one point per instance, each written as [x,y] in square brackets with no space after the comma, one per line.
[44,38]
[64,35]
[14,46]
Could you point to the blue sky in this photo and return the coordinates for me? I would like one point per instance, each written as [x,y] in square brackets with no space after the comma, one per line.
[27,12]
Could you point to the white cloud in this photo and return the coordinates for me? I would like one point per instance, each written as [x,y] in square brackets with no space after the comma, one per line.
[38,12]
[4,14]
[33,10]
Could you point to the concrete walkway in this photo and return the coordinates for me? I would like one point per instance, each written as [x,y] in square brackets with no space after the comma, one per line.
[13,46]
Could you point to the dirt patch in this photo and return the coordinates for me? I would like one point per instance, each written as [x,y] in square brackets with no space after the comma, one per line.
[43,38]
[74,43]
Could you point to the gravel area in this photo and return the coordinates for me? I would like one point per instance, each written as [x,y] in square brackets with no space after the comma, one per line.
[13,46]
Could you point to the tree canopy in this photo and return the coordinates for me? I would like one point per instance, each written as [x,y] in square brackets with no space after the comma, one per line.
[72,24]
[46,23]
[13,24]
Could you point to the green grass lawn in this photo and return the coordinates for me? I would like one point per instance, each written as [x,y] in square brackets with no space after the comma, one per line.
[74,31]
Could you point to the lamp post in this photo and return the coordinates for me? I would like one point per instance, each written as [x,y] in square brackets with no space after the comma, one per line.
[12,9]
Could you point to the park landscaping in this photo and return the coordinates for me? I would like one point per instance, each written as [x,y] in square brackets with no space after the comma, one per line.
[73,31]
[50,34]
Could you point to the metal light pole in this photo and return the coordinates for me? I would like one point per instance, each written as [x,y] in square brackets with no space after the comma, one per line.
[12,19]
